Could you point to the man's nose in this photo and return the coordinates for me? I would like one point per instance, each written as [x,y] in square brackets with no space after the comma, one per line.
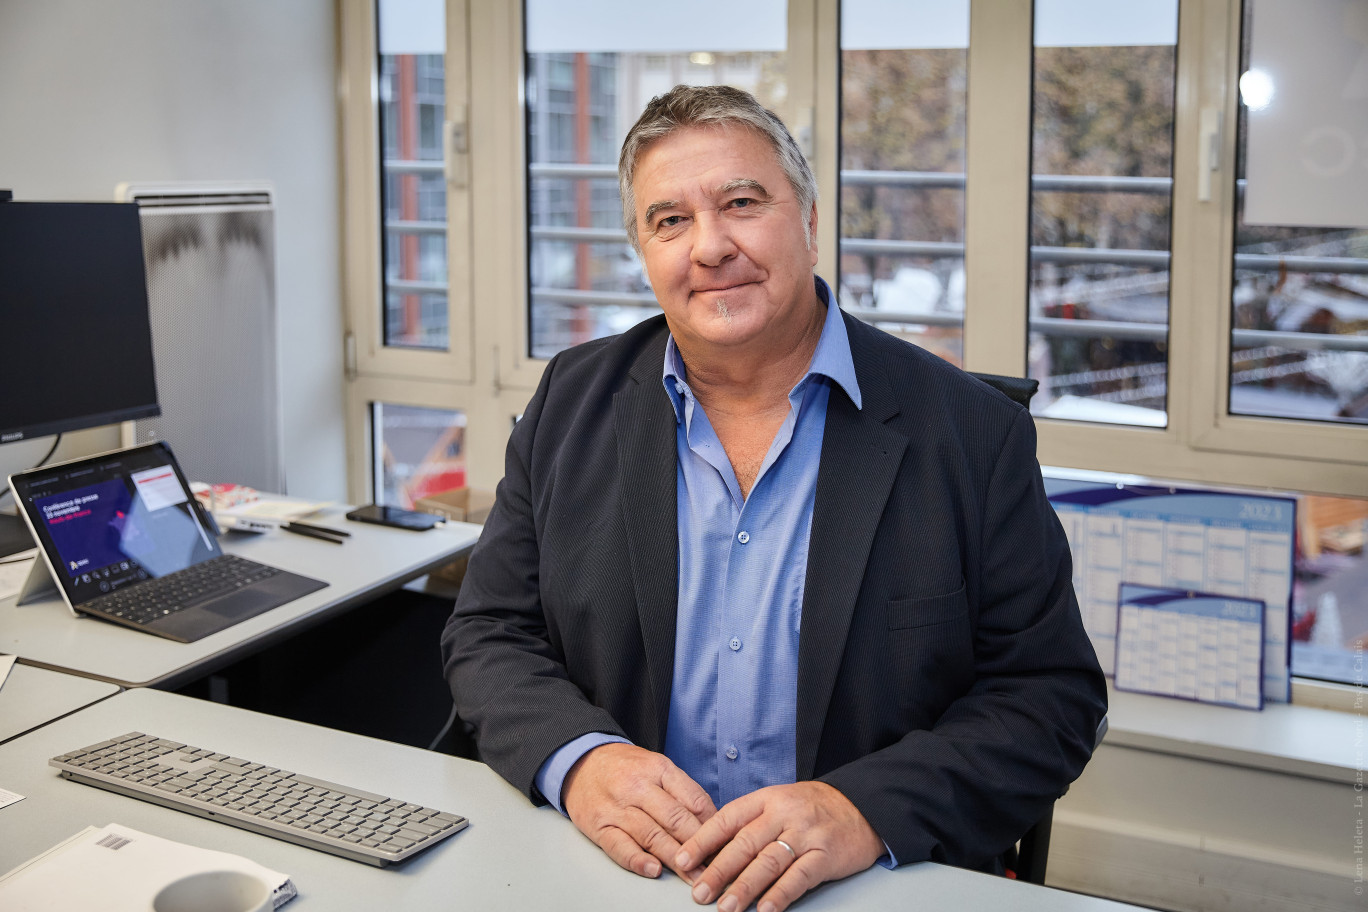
[713,244]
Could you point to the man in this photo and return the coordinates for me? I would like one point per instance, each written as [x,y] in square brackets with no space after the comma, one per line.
[767,595]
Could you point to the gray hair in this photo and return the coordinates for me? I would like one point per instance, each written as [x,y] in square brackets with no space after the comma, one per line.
[712,106]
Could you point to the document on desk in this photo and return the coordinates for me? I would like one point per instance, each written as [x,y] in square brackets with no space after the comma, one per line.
[115,868]
[276,509]
[7,798]
[6,663]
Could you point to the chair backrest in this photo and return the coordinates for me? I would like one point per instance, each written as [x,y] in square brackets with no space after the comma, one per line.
[1018,389]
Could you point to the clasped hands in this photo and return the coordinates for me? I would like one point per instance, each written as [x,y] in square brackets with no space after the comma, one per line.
[644,812]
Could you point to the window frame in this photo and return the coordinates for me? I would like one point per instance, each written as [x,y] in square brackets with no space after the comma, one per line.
[1202,441]
[500,201]
[489,375]
[392,374]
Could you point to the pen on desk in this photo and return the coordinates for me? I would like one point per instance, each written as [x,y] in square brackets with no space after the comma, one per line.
[326,530]
[311,532]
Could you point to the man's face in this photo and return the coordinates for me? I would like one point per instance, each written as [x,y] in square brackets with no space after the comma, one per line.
[722,239]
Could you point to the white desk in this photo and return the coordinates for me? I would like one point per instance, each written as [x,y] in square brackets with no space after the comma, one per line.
[375,560]
[512,856]
[35,696]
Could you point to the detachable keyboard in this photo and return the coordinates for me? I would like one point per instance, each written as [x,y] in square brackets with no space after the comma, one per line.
[153,599]
[310,812]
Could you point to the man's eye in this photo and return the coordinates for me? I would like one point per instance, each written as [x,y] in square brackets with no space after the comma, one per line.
[741,202]
[669,221]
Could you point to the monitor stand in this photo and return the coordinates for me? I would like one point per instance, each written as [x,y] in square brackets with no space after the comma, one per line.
[14,535]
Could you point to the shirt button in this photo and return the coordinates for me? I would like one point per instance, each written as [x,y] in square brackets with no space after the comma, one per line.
[732,753]
[679,388]
[743,537]
[734,643]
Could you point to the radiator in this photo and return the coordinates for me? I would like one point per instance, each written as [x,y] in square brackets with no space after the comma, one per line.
[210,253]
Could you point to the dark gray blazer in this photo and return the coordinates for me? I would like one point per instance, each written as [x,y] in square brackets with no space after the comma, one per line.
[945,683]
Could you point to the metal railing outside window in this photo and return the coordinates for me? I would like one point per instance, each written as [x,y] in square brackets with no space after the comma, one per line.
[1055,326]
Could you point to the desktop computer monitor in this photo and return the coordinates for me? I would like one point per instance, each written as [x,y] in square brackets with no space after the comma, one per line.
[74,326]
[73,318]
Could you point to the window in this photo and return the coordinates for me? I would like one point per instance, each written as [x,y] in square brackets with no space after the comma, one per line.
[412,110]
[1101,189]
[904,79]
[1330,595]
[418,452]
[591,68]
[1299,290]
[1299,328]
[1101,240]
[411,408]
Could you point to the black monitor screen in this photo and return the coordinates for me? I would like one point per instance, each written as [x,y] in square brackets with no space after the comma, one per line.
[74,326]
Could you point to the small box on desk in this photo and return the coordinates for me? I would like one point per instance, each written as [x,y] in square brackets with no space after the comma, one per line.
[458,505]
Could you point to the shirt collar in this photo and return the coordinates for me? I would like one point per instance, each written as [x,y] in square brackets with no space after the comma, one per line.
[831,359]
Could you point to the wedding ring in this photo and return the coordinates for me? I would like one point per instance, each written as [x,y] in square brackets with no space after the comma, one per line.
[787,846]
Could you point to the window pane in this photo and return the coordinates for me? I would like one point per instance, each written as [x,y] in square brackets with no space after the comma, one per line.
[591,69]
[903,93]
[418,452]
[1299,324]
[1101,185]
[412,37]
[1330,595]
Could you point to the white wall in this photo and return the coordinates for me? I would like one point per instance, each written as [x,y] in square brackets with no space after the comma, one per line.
[94,93]
[1173,832]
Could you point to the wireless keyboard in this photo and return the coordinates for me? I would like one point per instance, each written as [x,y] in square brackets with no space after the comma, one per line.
[310,812]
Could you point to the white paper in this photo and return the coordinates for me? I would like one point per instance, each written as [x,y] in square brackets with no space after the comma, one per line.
[115,868]
[12,576]
[275,510]
[7,797]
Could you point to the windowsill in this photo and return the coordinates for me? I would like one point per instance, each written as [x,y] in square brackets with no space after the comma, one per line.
[1305,741]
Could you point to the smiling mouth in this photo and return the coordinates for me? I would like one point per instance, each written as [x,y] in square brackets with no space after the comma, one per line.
[721,288]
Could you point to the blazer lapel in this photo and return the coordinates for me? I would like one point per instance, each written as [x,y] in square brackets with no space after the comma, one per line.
[860,459]
[647,458]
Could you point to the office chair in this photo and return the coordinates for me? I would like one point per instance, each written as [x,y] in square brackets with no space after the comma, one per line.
[1026,860]
[1018,389]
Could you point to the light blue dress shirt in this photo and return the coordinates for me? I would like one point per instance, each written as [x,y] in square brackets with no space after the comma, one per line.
[742,567]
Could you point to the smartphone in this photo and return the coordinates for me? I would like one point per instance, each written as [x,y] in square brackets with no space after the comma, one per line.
[397,517]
